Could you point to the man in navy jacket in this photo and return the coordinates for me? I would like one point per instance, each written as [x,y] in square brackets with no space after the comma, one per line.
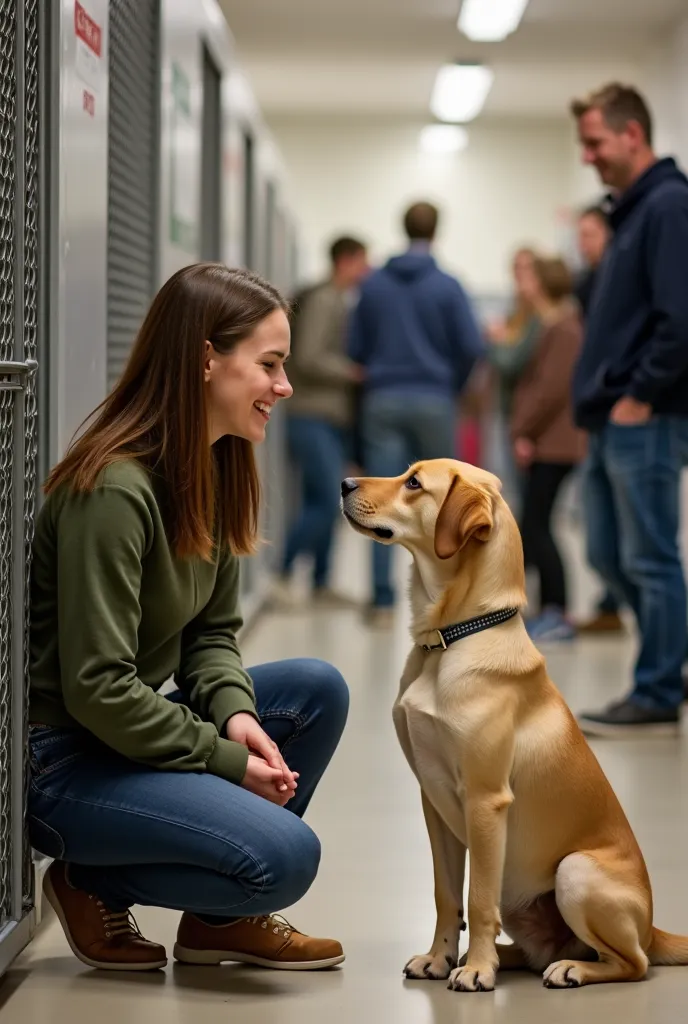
[416,337]
[631,393]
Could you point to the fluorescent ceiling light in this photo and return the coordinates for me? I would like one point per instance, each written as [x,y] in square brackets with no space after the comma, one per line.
[460,91]
[443,138]
[489,21]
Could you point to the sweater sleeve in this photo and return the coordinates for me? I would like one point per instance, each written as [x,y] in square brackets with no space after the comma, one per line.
[543,391]
[666,355]
[211,670]
[102,540]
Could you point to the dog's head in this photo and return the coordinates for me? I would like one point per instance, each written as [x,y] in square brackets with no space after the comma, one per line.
[437,506]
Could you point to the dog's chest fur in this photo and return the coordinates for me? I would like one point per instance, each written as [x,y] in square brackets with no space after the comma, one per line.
[430,748]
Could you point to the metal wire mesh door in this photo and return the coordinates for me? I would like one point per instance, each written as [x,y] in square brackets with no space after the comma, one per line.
[18,443]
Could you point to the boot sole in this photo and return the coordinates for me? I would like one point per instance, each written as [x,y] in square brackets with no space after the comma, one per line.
[215,957]
[54,902]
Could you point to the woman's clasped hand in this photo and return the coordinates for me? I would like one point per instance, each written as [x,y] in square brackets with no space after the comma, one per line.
[267,774]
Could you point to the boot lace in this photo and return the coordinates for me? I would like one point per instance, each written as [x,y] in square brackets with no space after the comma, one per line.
[120,922]
[278,924]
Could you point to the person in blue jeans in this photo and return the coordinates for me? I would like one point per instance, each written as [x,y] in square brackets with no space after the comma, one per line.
[194,800]
[631,393]
[415,336]
[320,418]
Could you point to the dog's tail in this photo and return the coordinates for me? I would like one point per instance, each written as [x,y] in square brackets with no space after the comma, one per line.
[667,950]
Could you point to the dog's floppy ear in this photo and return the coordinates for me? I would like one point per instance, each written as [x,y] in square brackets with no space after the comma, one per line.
[465,513]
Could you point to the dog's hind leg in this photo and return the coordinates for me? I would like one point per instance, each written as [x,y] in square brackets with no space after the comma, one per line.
[606,914]
[540,935]
[449,865]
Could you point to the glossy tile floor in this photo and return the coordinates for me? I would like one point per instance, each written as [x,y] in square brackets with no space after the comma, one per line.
[375,886]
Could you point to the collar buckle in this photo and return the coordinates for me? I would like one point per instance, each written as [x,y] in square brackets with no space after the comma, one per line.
[441,646]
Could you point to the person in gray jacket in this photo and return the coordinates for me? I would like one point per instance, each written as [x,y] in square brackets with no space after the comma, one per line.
[320,419]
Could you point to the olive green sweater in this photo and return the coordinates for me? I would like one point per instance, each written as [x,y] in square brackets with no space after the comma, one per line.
[114,614]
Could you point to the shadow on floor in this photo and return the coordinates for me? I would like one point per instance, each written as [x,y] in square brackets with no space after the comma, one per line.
[10,983]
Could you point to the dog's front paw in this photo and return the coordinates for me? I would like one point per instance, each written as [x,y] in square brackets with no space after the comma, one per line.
[473,978]
[563,974]
[429,967]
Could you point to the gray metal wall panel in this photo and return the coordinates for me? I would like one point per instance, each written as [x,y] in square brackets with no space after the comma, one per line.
[132,173]
[249,168]
[211,160]
[78,231]
[180,137]
[269,226]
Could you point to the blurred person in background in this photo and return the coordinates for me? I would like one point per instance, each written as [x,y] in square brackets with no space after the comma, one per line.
[320,421]
[631,395]
[510,346]
[593,238]
[416,339]
[547,444]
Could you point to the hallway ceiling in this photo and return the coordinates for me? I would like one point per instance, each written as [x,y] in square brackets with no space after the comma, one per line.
[379,57]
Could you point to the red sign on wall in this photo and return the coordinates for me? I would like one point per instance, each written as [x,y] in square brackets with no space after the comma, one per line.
[87,29]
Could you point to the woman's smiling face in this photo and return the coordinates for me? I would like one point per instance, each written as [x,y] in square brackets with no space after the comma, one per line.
[244,385]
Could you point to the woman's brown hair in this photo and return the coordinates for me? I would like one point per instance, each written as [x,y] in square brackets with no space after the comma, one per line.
[555,277]
[157,412]
[522,311]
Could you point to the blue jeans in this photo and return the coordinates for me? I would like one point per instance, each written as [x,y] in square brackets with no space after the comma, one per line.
[318,449]
[631,495]
[186,840]
[398,430]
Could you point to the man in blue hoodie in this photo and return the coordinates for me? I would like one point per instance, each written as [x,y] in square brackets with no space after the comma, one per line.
[416,338]
[631,394]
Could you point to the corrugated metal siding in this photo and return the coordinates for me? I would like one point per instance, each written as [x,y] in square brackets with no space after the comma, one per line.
[132,172]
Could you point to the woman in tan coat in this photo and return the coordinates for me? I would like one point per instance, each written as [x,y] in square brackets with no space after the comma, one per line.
[547,444]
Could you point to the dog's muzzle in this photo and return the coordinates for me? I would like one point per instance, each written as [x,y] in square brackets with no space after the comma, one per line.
[349,487]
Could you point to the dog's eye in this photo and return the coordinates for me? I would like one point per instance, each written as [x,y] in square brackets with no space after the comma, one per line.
[413,483]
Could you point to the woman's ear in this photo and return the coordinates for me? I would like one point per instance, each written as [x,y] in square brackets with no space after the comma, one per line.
[207,360]
[466,512]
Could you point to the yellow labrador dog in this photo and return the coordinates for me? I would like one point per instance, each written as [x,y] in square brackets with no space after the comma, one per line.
[504,770]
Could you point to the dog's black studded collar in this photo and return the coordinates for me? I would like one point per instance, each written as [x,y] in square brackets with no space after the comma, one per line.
[450,634]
